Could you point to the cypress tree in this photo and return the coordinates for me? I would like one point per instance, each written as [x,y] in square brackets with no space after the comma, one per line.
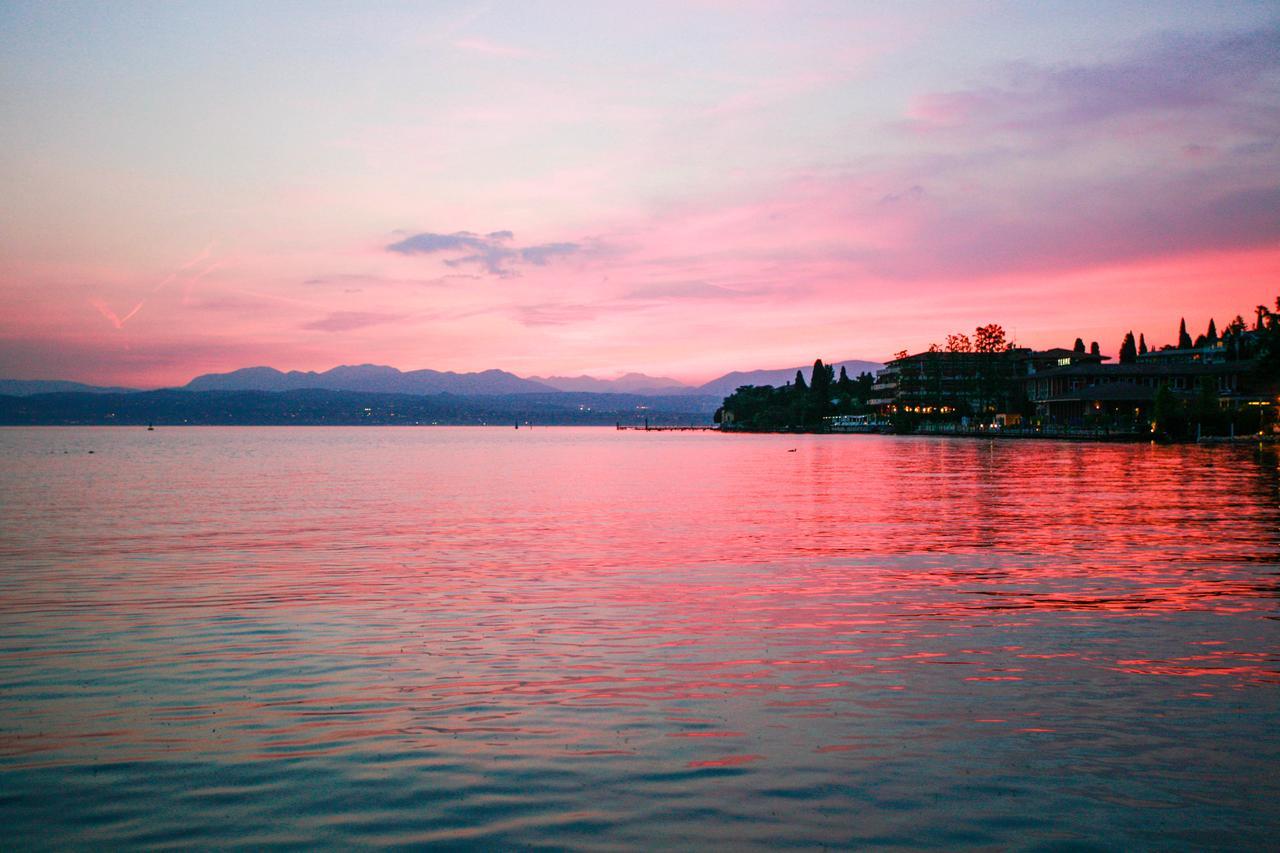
[1128,350]
[1079,347]
[862,386]
[1184,340]
[1142,344]
[1212,334]
[800,384]
[844,383]
[1094,349]
[820,384]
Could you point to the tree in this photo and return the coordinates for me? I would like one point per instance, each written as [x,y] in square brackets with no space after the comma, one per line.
[1205,410]
[959,343]
[1267,370]
[760,408]
[1184,340]
[800,385]
[1212,334]
[1128,350]
[1079,347]
[820,383]
[1094,349]
[844,383]
[1166,414]
[1142,344]
[1233,338]
[989,338]
[862,386]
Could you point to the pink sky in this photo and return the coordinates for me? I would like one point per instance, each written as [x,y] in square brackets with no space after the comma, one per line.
[587,189]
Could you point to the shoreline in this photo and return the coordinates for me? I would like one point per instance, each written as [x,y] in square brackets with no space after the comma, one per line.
[1005,435]
[991,435]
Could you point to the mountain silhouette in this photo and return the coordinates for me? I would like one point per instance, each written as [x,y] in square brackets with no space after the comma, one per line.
[28,387]
[629,383]
[381,379]
[725,385]
[367,377]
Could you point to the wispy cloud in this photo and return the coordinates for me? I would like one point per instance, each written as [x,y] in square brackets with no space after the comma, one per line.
[1172,73]
[143,362]
[346,321]
[491,252]
[539,255]
[691,290]
[554,314]
[188,273]
[489,48]
[347,281]
[426,243]
[111,316]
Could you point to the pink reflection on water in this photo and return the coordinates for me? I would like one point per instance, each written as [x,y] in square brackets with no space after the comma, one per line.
[726,761]
[295,592]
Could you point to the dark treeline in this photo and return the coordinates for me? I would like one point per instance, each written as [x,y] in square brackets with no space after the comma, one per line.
[1180,417]
[1237,341]
[798,405]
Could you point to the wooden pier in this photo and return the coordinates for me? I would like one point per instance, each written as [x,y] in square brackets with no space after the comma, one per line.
[647,428]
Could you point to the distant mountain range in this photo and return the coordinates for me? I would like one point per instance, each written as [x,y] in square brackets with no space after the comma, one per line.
[367,377]
[722,386]
[630,383]
[27,387]
[380,379]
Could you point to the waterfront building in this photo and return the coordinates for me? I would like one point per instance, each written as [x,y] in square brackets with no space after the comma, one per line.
[1077,393]
[944,385]
[1062,387]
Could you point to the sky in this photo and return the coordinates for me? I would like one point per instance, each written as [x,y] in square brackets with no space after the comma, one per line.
[682,189]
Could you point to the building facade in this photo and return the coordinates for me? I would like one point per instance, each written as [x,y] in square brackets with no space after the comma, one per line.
[946,385]
[1062,387]
[1076,394]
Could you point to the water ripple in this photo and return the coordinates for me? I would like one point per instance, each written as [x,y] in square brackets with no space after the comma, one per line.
[584,638]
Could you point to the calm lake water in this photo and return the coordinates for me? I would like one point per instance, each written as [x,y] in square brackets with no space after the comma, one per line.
[582,637]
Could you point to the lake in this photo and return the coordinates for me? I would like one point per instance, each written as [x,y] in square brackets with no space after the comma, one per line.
[561,637]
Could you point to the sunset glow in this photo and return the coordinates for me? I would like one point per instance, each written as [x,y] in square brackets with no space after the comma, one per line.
[678,189]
